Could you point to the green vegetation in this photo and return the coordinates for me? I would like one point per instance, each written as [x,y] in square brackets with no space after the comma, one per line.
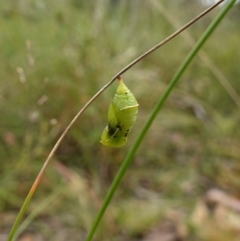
[55,56]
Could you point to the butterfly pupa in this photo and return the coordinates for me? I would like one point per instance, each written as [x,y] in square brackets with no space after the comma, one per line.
[122,114]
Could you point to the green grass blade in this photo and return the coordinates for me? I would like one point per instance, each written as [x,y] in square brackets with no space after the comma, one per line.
[154,113]
[19,217]
[34,213]
[14,231]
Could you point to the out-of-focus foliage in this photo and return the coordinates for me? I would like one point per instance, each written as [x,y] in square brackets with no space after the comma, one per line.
[54,56]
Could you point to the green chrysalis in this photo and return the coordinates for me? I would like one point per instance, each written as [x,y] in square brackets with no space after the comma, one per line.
[122,114]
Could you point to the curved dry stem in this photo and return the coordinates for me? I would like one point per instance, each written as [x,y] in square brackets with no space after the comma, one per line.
[38,178]
[120,73]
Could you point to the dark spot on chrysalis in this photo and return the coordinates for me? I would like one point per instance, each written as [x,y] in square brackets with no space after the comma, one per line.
[119,127]
[126,134]
[111,129]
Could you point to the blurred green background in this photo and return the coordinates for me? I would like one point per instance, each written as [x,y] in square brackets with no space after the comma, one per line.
[54,56]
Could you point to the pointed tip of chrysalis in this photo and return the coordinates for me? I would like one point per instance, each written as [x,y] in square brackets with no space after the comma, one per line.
[119,79]
[122,88]
[120,82]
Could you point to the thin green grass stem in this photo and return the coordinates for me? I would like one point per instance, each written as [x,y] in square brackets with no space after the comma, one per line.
[34,213]
[152,116]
